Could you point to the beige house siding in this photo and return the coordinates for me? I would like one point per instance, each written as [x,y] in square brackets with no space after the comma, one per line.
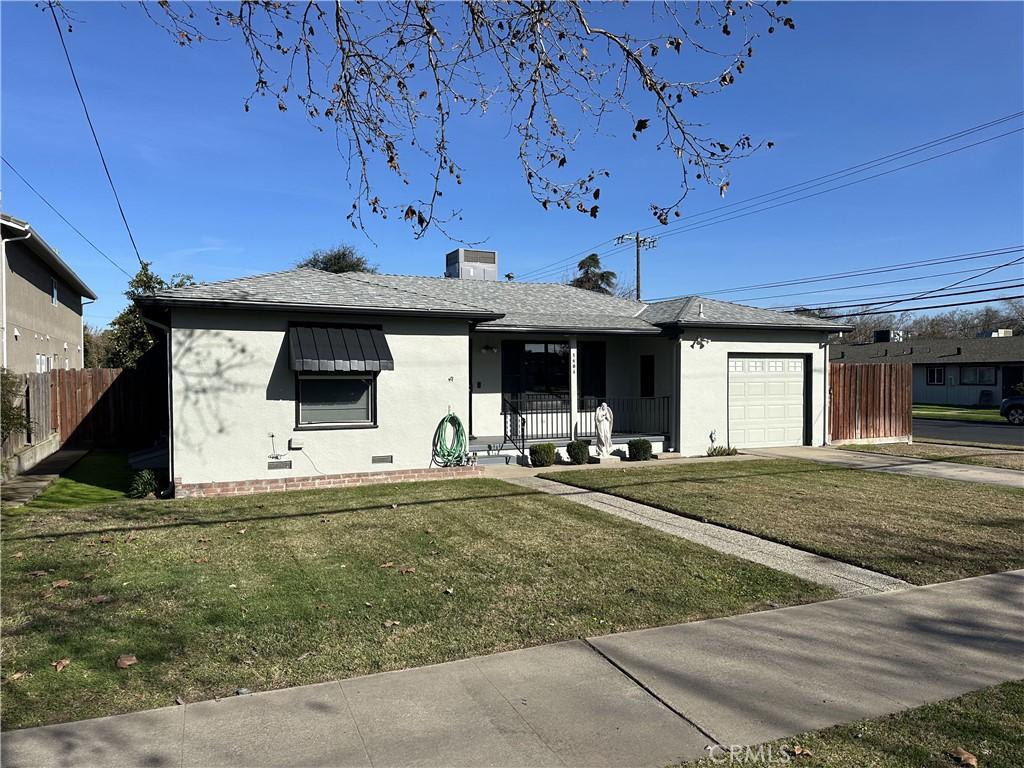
[232,386]
[44,328]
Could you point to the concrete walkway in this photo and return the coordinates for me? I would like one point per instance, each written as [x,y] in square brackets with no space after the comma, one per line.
[21,489]
[899,465]
[647,698]
[848,580]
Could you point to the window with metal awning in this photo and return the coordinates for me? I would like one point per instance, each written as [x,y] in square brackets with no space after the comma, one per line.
[336,371]
[339,349]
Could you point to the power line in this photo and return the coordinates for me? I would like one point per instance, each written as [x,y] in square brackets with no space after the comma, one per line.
[875,284]
[930,306]
[1002,286]
[819,180]
[95,138]
[832,189]
[901,266]
[926,294]
[64,218]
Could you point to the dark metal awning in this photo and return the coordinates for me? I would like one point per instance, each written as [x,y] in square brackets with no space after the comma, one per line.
[339,349]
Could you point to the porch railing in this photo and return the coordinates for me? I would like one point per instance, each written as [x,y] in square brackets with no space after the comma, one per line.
[547,417]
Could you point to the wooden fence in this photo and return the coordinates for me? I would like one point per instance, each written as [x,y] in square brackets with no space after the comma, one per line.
[870,401]
[93,407]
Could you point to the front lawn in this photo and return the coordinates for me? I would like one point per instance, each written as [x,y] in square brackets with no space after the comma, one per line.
[1008,459]
[917,529]
[99,477]
[956,412]
[988,724]
[260,592]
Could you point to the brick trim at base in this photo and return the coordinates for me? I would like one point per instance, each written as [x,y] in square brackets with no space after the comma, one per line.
[242,487]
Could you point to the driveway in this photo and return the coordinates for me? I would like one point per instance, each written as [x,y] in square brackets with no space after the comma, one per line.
[1002,433]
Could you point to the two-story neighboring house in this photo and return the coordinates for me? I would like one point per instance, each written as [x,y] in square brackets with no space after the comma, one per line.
[42,303]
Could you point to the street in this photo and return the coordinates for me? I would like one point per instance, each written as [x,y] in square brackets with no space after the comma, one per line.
[969,431]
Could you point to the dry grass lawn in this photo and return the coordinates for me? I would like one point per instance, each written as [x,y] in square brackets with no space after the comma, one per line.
[1002,459]
[285,589]
[917,529]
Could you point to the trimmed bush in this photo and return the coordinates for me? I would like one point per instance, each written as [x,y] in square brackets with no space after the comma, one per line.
[142,485]
[722,450]
[579,451]
[639,449]
[542,454]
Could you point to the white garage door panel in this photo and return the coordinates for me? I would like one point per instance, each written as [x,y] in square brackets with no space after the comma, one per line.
[766,401]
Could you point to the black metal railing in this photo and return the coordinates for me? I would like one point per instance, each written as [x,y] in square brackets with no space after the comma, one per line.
[515,427]
[548,416]
[632,415]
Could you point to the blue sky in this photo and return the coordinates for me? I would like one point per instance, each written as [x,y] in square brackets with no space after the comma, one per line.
[215,191]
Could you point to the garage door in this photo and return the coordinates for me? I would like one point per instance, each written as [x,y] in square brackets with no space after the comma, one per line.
[766,401]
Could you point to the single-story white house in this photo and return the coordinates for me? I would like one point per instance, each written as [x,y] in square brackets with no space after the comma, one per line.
[978,371]
[304,378]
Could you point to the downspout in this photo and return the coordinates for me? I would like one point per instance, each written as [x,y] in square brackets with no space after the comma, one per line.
[828,398]
[169,492]
[3,286]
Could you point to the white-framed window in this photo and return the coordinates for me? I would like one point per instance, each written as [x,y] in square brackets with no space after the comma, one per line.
[935,375]
[756,366]
[53,291]
[984,375]
[735,364]
[325,400]
[796,365]
[775,366]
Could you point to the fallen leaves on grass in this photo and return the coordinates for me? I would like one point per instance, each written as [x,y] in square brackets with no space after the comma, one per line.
[388,564]
[16,675]
[19,555]
[964,757]
[392,623]
[408,569]
[61,665]
[797,751]
[449,591]
[61,583]
[126,660]
[100,599]
[37,574]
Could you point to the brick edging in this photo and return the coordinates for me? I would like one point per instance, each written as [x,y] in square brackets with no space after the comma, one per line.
[269,485]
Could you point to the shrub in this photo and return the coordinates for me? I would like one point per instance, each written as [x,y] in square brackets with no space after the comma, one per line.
[579,451]
[12,413]
[542,454]
[143,483]
[639,449]
[722,450]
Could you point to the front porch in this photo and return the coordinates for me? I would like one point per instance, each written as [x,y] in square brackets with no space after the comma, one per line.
[545,388]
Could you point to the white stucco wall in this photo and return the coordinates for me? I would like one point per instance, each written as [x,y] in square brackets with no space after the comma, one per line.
[953,392]
[704,379]
[232,385]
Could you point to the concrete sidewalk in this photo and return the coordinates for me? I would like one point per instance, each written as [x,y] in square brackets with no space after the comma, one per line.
[846,579]
[898,465]
[651,697]
[21,489]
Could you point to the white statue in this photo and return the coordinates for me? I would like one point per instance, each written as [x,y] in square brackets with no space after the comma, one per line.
[604,417]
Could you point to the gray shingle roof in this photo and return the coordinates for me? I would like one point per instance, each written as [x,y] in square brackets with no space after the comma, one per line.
[541,306]
[699,311]
[1004,349]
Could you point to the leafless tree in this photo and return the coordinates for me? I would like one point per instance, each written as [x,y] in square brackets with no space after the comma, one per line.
[391,78]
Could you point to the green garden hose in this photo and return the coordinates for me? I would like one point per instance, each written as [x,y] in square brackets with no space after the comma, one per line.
[450,454]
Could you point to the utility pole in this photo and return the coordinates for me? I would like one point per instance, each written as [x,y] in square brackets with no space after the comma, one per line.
[641,242]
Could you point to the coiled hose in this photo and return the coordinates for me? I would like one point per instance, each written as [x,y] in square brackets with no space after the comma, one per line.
[452,454]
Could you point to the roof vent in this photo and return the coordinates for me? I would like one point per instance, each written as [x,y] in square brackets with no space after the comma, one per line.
[700,310]
[471,264]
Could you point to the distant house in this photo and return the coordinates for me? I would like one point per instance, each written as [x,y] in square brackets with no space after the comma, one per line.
[303,378]
[42,303]
[976,371]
